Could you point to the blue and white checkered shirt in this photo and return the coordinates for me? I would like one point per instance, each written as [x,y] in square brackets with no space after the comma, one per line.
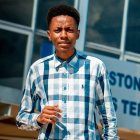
[80,87]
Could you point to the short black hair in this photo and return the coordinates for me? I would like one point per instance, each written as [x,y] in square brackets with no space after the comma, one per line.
[63,10]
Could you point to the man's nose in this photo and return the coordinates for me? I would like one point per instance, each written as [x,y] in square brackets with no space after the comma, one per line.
[63,34]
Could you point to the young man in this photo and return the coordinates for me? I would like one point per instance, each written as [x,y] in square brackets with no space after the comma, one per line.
[69,87]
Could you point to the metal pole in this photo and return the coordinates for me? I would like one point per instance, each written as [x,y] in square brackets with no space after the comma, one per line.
[124,29]
[76,4]
[83,9]
[30,42]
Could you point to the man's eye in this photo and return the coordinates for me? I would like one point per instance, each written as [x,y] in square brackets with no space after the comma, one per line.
[70,30]
[57,30]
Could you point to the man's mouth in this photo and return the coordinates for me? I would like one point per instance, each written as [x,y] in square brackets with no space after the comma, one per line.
[64,43]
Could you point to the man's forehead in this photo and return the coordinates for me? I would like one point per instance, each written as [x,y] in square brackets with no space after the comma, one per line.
[63,19]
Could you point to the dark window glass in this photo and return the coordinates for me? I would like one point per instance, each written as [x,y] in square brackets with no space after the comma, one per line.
[12,54]
[102,53]
[133,61]
[42,47]
[44,5]
[104,22]
[17,11]
[133,28]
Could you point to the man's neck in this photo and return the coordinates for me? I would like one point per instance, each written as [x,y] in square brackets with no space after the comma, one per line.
[65,56]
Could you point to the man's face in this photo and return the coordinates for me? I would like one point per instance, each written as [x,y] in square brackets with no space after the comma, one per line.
[63,33]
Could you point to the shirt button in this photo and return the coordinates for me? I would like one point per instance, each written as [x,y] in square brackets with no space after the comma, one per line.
[64,88]
[64,74]
[64,99]
[65,116]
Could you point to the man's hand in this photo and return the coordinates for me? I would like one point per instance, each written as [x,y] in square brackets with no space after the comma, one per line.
[50,114]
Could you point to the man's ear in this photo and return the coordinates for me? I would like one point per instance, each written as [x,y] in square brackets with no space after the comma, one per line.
[49,36]
[78,34]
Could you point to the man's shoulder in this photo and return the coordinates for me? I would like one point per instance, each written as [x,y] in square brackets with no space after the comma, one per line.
[94,59]
[42,60]
[90,58]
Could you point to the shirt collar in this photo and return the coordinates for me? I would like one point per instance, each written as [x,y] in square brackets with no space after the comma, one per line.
[72,61]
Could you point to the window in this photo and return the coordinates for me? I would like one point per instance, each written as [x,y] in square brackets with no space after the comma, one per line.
[133,27]
[42,48]
[17,11]
[104,22]
[102,53]
[12,54]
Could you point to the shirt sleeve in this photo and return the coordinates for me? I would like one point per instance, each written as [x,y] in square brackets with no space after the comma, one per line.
[26,117]
[105,106]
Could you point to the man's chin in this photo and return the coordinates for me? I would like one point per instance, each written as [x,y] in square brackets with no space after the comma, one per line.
[65,49]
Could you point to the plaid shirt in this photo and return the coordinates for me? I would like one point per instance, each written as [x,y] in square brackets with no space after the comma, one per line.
[81,87]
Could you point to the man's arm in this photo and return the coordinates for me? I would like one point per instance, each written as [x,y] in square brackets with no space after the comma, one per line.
[105,106]
[26,118]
